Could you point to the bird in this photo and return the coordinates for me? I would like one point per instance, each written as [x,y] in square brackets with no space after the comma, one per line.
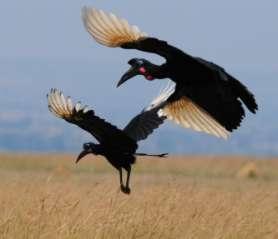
[116,145]
[206,97]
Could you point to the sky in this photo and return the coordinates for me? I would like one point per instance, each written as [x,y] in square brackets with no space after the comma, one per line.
[44,44]
[233,32]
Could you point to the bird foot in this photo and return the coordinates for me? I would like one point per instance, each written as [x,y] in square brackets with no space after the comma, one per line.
[125,190]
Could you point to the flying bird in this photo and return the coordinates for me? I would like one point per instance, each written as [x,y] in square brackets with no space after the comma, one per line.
[206,98]
[116,145]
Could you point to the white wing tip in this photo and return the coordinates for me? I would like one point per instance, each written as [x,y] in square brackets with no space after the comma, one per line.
[164,94]
[161,113]
[108,29]
[226,135]
[219,131]
[62,106]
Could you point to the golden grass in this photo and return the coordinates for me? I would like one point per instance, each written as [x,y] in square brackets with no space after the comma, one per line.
[249,170]
[48,196]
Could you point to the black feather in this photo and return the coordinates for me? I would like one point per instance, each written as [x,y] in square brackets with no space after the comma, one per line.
[204,82]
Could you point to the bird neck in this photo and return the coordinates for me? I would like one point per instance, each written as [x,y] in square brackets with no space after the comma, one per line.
[96,149]
[159,71]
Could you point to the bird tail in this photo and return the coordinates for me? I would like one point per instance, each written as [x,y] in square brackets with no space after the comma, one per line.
[152,155]
[245,95]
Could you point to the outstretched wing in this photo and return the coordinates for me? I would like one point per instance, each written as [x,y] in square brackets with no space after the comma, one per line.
[112,31]
[181,111]
[142,125]
[186,113]
[108,29]
[106,133]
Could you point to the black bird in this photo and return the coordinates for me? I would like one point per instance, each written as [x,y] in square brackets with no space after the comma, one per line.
[117,146]
[200,85]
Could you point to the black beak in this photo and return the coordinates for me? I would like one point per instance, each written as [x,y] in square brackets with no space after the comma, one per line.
[82,155]
[133,71]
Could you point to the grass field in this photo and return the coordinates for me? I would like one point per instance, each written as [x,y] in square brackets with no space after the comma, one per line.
[48,196]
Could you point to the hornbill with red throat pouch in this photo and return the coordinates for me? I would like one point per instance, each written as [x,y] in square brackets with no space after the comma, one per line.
[116,145]
[206,97]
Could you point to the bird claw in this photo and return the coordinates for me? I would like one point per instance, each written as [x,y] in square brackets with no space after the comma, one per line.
[125,190]
[122,188]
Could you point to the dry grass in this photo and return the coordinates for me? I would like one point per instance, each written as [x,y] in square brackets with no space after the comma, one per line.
[192,197]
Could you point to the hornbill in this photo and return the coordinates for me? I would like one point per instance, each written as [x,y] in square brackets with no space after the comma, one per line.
[117,146]
[203,89]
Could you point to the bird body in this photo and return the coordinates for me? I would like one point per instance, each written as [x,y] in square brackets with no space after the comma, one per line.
[124,158]
[205,83]
[206,97]
[116,145]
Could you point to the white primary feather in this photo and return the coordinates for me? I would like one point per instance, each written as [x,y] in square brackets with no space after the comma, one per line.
[108,29]
[189,115]
[62,106]
[69,104]
[164,94]
[78,106]
[86,109]
[186,113]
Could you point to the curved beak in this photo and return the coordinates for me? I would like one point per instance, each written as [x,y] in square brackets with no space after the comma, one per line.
[129,74]
[82,155]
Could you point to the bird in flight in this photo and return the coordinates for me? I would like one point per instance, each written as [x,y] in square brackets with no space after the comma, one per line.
[116,145]
[206,98]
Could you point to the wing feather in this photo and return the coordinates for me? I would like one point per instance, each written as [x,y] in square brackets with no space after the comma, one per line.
[104,23]
[108,23]
[82,116]
[69,104]
[98,24]
[203,122]
[142,125]
[189,115]
[108,29]
[54,109]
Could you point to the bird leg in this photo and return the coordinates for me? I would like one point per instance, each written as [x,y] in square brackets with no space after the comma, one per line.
[127,180]
[125,188]
[121,180]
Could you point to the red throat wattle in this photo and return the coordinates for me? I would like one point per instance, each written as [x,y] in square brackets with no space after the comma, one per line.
[149,77]
[143,71]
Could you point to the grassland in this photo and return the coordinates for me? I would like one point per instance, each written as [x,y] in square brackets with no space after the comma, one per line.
[48,196]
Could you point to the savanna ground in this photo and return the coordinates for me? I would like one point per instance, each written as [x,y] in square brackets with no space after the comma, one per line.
[48,196]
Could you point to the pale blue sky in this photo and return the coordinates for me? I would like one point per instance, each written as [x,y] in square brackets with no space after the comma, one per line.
[233,32]
[43,44]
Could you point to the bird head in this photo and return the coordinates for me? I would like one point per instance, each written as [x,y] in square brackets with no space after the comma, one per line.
[88,148]
[138,67]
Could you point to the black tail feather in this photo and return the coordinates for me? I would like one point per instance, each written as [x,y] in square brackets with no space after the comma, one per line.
[245,95]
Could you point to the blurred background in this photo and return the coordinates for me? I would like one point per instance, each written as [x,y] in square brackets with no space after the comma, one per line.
[43,44]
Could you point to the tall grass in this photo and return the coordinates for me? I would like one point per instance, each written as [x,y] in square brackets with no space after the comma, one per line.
[48,196]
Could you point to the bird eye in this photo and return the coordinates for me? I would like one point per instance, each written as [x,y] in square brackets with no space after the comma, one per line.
[86,146]
[140,62]
[142,70]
